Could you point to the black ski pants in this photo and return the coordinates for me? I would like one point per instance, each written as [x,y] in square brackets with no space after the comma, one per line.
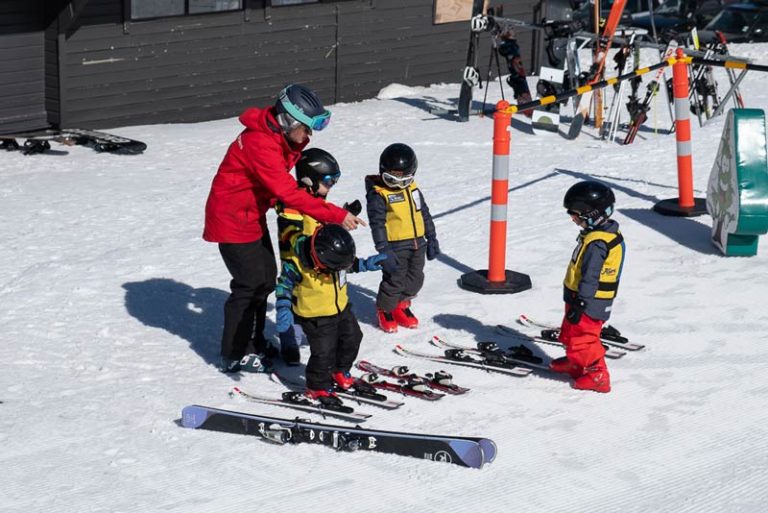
[334,342]
[253,269]
[406,281]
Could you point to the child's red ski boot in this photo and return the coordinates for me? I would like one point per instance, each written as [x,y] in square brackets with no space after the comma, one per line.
[325,397]
[404,317]
[595,378]
[386,321]
[343,379]
[564,366]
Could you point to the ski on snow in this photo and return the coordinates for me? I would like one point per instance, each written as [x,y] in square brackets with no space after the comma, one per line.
[609,335]
[471,452]
[519,355]
[297,401]
[440,380]
[508,331]
[468,359]
[360,392]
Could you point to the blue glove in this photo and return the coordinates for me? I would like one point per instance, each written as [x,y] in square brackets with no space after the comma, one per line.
[433,248]
[390,264]
[284,315]
[371,263]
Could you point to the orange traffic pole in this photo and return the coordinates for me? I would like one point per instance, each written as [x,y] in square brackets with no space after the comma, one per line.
[497,279]
[685,204]
[497,251]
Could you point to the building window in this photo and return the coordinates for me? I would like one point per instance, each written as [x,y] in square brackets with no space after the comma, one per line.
[143,9]
[278,3]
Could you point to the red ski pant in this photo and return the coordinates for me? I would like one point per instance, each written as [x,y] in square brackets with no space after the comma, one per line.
[582,340]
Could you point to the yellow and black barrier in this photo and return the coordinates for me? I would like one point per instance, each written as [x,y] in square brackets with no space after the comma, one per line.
[546,100]
[730,64]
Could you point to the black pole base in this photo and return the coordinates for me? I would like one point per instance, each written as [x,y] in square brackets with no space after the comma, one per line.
[671,207]
[477,281]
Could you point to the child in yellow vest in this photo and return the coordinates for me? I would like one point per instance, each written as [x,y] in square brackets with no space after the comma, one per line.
[312,290]
[590,285]
[317,171]
[402,229]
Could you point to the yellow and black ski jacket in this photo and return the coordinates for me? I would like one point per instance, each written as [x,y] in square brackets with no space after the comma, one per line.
[397,217]
[594,270]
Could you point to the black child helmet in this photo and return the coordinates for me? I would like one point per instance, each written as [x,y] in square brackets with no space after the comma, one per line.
[590,200]
[398,157]
[315,167]
[332,248]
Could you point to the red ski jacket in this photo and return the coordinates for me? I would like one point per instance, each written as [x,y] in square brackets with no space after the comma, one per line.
[254,174]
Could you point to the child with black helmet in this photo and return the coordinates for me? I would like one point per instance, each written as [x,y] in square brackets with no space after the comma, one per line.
[312,291]
[317,171]
[402,229]
[590,285]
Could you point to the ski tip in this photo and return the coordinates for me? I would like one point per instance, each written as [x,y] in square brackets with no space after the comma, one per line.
[193,416]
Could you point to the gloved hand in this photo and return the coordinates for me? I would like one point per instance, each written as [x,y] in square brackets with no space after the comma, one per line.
[433,248]
[354,207]
[284,315]
[575,309]
[372,263]
[391,263]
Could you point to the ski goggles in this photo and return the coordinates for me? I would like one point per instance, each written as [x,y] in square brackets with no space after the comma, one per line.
[397,181]
[330,180]
[318,122]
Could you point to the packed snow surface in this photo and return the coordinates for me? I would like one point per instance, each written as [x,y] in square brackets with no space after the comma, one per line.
[112,313]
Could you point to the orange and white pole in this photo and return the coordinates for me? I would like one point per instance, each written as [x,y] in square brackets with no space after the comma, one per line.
[497,252]
[683,131]
[685,204]
[497,279]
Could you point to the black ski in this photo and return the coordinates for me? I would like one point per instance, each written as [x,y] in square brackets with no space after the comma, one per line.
[463,451]
[608,335]
[471,75]
[413,389]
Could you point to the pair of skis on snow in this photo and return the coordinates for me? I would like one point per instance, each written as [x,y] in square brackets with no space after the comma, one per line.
[40,142]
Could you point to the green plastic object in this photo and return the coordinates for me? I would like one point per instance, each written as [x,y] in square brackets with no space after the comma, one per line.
[737,195]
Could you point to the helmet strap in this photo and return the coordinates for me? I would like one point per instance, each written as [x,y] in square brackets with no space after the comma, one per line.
[317,264]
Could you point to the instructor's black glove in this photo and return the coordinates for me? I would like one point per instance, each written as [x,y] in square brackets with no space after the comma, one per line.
[353,207]
[575,310]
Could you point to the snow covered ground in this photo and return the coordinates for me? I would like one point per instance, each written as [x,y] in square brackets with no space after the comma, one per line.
[112,311]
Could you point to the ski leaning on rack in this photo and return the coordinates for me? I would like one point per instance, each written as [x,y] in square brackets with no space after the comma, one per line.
[440,380]
[609,335]
[463,451]
[516,355]
[509,331]
[598,67]
[471,75]
[360,392]
[297,401]
[638,111]
[468,359]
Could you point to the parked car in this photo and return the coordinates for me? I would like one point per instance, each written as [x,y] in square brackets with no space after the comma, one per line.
[740,23]
[679,15]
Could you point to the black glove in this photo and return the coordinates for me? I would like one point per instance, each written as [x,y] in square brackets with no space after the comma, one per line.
[391,263]
[353,207]
[575,309]
[433,249]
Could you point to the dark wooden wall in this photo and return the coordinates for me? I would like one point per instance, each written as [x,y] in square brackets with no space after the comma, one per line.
[22,67]
[105,70]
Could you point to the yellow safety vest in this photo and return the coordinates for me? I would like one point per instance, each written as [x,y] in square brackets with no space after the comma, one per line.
[319,294]
[292,222]
[404,220]
[610,273]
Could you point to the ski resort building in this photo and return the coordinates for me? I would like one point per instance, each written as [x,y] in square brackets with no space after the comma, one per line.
[106,63]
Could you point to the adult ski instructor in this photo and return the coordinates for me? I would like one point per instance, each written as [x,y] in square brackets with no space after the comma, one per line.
[254,174]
